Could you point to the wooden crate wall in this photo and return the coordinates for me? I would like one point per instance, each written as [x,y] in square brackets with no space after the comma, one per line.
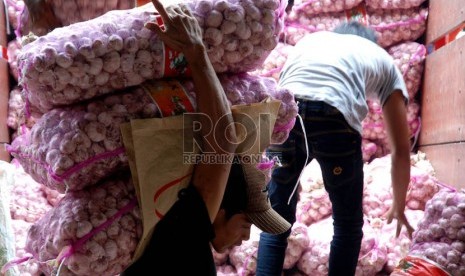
[442,136]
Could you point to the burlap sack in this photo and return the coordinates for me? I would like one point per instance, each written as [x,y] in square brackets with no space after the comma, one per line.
[155,150]
[254,125]
[155,153]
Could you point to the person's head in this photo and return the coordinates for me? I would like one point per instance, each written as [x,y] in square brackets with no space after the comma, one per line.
[356,28]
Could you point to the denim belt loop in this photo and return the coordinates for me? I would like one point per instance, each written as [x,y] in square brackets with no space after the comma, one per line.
[309,106]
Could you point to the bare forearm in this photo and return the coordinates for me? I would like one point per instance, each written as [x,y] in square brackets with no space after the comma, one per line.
[212,101]
[395,116]
[210,179]
[400,177]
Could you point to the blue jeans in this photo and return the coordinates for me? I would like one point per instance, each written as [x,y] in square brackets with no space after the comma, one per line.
[337,148]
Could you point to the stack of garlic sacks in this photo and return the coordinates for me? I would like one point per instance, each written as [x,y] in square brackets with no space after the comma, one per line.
[85,78]
[66,12]
[30,200]
[398,26]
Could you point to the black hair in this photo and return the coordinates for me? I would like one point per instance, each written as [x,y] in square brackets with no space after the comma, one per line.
[290,4]
[356,28]
[235,196]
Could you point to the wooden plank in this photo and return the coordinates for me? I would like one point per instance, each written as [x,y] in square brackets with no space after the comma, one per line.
[4,89]
[443,16]
[448,161]
[443,95]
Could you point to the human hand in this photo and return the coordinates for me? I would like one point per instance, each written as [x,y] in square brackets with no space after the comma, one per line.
[180,31]
[230,232]
[402,220]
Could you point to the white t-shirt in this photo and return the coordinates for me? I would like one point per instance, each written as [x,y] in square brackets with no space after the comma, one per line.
[343,71]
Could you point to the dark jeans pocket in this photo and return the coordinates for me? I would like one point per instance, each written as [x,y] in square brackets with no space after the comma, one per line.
[339,157]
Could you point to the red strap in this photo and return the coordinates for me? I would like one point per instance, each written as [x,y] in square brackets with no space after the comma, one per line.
[3,53]
[165,187]
[160,21]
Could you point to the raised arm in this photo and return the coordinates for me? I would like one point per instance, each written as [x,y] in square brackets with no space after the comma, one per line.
[182,33]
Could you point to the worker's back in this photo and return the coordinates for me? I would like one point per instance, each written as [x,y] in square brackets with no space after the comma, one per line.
[342,70]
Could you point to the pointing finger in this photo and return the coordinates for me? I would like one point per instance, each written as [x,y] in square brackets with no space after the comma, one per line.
[160,9]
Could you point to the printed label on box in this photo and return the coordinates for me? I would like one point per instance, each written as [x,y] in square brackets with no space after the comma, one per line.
[175,63]
[169,96]
[358,13]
